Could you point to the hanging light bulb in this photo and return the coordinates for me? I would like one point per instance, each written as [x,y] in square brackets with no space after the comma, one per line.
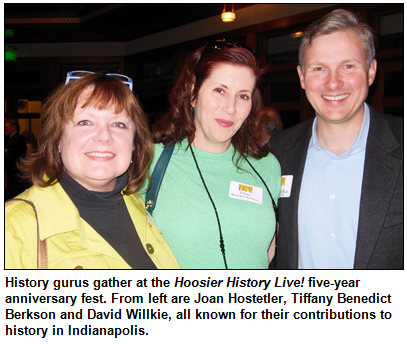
[228,17]
[297,34]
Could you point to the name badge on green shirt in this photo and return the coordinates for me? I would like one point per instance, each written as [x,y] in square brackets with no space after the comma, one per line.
[246,192]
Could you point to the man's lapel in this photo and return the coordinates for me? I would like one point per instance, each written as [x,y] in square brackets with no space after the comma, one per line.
[293,164]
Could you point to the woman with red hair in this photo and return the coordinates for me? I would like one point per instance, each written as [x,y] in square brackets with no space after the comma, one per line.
[83,210]
[220,187]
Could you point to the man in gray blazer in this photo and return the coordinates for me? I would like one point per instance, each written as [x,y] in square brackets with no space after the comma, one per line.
[341,202]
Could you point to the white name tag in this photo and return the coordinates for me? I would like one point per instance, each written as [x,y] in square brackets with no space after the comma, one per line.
[246,192]
[286,183]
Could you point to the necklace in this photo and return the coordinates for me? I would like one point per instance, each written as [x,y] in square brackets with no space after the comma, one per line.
[275,208]
[222,243]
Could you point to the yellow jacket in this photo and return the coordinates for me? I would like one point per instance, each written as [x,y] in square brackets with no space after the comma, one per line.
[72,243]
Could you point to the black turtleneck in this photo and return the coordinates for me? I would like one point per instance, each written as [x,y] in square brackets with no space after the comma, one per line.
[107,214]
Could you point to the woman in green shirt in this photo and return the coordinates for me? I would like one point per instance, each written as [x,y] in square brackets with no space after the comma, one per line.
[215,205]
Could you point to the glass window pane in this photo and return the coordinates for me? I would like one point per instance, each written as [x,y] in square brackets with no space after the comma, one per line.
[157,71]
[29,106]
[393,84]
[282,49]
[30,124]
[391,31]
[285,92]
[23,76]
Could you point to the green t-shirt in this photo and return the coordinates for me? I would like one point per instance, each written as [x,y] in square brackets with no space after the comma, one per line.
[187,219]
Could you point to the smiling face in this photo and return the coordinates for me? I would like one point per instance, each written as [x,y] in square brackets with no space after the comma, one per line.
[336,78]
[96,146]
[224,101]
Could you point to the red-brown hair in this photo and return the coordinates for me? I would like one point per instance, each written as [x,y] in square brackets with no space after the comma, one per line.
[58,110]
[178,123]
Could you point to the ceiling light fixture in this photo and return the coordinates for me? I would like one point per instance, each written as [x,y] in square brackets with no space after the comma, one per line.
[297,34]
[228,17]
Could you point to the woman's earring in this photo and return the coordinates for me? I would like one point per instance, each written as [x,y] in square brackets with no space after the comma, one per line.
[59,151]
[131,161]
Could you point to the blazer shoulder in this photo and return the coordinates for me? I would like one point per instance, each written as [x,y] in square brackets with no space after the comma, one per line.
[396,125]
[387,131]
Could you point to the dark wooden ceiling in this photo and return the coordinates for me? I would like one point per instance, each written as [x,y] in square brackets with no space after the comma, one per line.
[50,23]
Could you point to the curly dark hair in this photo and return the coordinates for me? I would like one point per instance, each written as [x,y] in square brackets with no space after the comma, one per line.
[178,123]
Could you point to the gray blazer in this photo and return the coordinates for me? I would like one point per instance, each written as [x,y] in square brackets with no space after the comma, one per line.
[380,231]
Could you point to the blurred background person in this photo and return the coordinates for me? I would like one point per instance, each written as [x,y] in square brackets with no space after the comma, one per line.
[15,149]
[30,141]
[215,204]
[93,157]
[271,123]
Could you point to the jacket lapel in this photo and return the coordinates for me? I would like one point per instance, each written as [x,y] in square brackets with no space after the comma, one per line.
[293,163]
[379,181]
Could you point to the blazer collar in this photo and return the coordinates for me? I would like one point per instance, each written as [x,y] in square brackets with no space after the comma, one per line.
[380,134]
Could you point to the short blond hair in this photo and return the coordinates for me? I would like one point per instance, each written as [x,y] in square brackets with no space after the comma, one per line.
[339,20]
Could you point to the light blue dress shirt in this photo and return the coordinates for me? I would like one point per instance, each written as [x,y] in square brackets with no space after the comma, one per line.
[328,211]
